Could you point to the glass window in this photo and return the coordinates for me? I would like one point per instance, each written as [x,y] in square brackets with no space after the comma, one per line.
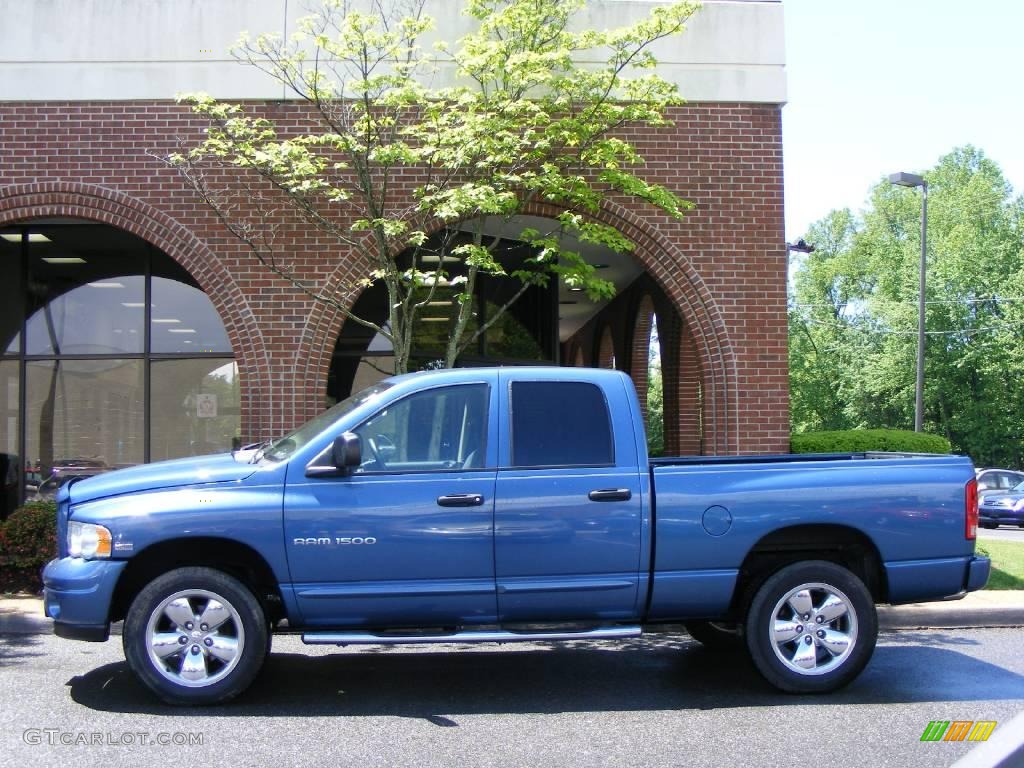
[184,319]
[86,291]
[194,407]
[93,318]
[560,423]
[102,317]
[509,338]
[1007,480]
[84,414]
[442,428]
[10,461]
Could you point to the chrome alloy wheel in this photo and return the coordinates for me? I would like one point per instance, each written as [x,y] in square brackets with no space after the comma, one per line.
[814,629]
[195,638]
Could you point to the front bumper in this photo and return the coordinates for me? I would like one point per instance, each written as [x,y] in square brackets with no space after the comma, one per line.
[1000,516]
[77,594]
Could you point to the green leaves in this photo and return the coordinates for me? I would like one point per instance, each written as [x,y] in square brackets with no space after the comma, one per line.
[525,123]
[853,320]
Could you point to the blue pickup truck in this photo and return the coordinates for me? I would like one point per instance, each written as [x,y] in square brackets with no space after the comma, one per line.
[501,505]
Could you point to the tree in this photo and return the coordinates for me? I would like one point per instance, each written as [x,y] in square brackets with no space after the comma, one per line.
[655,424]
[818,326]
[856,298]
[524,123]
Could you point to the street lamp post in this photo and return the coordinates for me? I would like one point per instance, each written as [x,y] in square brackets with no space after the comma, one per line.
[913,180]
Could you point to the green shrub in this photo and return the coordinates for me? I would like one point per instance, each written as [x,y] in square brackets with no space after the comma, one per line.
[857,440]
[28,540]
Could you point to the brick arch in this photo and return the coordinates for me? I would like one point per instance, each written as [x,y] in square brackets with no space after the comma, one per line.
[707,337]
[709,347]
[21,203]
[676,276]
[606,357]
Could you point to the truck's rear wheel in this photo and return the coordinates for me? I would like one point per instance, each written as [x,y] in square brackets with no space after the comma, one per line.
[195,636]
[811,627]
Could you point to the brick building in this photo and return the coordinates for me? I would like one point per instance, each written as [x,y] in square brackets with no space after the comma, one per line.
[135,328]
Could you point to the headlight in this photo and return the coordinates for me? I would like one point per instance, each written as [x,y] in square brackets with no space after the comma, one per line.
[88,540]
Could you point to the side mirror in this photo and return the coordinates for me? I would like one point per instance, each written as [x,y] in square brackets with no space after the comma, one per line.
[345,453]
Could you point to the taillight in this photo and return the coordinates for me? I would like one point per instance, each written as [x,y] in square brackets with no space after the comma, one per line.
[971,504]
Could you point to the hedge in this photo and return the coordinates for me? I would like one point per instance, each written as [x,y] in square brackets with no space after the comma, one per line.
[857,440]
[28,541]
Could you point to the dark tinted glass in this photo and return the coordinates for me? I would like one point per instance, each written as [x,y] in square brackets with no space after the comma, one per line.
[10,292]
[560,423]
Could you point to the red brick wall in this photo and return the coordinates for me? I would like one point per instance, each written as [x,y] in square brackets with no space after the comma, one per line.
[723,267]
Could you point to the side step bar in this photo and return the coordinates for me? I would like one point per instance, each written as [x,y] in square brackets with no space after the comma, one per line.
[470,636]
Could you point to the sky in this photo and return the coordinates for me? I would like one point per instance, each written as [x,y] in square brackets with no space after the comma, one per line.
[880,86]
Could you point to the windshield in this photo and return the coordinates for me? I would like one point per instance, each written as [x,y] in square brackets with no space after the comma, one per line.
[287,445]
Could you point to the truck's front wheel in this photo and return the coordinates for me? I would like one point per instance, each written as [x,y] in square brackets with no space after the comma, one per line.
[195,636]
[811,627]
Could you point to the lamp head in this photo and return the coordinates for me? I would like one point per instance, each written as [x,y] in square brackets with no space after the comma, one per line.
[907,179]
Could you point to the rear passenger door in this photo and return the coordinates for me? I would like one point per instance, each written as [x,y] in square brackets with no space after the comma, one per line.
[568,506]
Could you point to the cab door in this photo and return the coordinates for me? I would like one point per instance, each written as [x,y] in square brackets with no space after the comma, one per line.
[569,515]
[407,538]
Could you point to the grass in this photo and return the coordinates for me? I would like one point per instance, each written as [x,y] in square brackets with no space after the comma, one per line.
[1007,563]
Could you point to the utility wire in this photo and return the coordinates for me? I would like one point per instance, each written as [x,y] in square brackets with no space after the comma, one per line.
[913,302]
[957,332]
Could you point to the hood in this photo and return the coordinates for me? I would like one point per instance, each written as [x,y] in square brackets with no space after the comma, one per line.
[197,470]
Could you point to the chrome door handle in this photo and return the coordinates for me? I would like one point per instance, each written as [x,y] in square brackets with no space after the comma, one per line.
[611,494]
[460,500]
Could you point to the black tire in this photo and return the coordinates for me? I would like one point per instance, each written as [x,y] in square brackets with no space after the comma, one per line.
[213,664]
[716,636]
[832,638]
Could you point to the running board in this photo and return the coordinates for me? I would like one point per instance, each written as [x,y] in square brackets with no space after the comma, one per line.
[487,636]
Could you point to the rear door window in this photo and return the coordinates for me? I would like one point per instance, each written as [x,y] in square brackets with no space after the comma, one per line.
[560,424]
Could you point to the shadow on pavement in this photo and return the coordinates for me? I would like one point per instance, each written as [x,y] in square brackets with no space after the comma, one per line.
[641,675]
[17,649]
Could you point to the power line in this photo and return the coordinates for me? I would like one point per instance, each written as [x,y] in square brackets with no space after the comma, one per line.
[957,332]
[913,302]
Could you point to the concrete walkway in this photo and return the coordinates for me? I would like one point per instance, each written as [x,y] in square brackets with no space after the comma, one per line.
[23,615]
[995,608]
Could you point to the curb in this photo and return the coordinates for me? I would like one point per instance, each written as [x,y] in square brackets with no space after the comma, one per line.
[997,608]
[24,615]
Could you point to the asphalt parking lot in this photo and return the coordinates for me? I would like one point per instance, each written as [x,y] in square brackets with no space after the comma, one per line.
[661,700]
